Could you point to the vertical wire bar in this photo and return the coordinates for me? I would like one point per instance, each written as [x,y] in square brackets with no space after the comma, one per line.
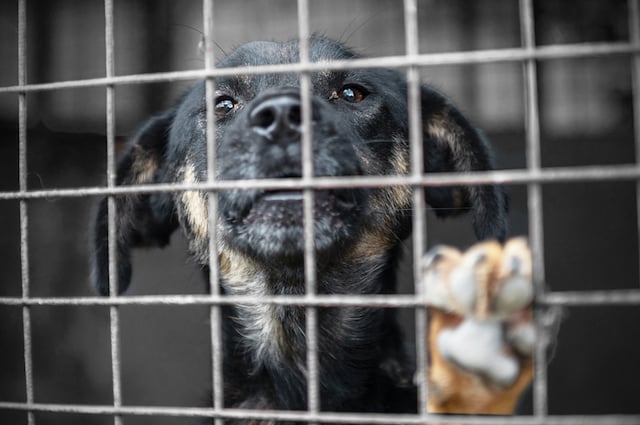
[534,198]
[24,216]
[114,313]
[418,220]
[311,323]
[215,313]
[634,36]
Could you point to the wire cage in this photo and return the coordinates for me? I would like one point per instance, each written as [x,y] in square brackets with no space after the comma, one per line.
[532,176]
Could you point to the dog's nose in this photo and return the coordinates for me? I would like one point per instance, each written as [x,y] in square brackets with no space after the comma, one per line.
[277,118]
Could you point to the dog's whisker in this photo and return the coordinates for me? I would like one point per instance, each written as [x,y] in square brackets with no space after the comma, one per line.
[426,209]
[372,141]
[366,22]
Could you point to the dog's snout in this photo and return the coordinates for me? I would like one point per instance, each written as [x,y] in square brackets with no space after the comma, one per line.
[277,118]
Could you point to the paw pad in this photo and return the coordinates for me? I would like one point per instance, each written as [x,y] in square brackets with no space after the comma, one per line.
[488,290]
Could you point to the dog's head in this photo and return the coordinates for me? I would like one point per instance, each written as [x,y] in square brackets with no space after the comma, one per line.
[359,127]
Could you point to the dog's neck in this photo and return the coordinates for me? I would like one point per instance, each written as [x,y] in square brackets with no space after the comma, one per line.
[245,276]
[273,337]
[268,328]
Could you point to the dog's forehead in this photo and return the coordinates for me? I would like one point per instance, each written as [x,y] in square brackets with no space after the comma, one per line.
[260,53]
[273,53]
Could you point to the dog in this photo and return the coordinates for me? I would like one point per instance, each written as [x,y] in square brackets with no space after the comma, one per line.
[359,128]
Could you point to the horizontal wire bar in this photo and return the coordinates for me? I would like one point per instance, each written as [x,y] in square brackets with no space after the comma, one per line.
[329,417]
[593,298]
[550,175]
[565,51]
[545,175]
[568,298]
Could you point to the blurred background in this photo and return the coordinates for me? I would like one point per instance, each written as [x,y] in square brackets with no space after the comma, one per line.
[591,229]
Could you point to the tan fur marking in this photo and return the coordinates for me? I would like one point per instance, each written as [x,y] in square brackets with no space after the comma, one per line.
[372,244]
[458,198]
[443,128]
[144,166]
[195,205]
[237,268]
[400,158]
[260,325]
[400,196]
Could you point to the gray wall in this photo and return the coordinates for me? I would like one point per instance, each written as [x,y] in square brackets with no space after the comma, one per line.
[590,229]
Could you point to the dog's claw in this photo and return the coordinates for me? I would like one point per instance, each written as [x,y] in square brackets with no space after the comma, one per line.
[485,296]
[516,291]
[437,266]
[521,336]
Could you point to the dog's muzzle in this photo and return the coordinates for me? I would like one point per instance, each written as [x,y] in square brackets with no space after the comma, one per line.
[265,142]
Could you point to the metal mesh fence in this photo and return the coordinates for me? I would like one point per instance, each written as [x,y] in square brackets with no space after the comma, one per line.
[533,176]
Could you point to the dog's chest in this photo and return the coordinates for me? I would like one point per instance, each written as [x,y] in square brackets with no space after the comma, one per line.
[269,332]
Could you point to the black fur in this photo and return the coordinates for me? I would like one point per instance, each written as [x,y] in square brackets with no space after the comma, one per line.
[359,128]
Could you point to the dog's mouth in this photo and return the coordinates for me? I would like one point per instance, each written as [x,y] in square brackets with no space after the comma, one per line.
[285,207]
[271,223]
[283,196]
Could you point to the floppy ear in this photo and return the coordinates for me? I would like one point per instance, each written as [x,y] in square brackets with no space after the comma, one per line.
[141,219]
[452,144]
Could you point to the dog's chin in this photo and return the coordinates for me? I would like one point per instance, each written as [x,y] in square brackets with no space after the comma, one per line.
[272,229]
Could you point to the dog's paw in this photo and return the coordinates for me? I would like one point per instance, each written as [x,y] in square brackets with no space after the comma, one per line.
[481,335]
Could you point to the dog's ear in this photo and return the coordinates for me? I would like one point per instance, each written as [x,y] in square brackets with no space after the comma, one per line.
[141,219]
[452,144]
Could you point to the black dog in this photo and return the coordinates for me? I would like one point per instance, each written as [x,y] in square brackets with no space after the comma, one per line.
[359,128]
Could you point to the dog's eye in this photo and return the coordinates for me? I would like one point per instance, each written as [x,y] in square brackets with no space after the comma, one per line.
[352,94]
[224,105]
